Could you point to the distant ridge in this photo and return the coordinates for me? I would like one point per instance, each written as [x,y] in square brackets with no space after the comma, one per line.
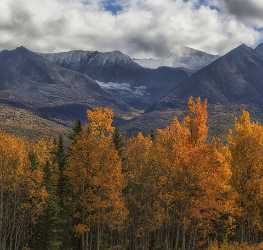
[62,86]
[29,79]
[184,57]
[236,78]
[117,70]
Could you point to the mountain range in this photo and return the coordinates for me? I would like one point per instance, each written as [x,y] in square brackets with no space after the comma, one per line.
[118,74]
[182,57]
[60,87]
[235,78]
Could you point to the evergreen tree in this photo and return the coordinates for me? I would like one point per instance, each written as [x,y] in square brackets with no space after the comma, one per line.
[61,161]
[152,134]
[118,140]
[46,231]
[63,191]
[32,160]
[77,129]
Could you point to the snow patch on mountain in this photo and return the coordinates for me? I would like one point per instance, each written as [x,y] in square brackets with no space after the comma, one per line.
[111,58]
[91,57]
[125,87]
[68,57]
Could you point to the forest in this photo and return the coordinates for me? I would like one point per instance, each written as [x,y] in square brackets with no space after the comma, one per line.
[173,189]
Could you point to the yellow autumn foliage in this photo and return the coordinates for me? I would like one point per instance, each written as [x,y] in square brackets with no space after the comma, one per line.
[21,191]
[95,174]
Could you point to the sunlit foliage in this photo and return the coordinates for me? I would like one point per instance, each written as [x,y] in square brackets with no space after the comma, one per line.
[173,189]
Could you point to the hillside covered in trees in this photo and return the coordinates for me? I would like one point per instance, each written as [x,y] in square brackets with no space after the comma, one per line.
[169,190]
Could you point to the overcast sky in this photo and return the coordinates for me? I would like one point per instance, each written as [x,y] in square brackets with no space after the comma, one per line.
[140,28]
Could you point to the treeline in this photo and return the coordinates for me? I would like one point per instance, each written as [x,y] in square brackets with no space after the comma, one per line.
[172,189]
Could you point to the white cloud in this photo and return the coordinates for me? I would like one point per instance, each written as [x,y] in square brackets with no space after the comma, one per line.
[142,28]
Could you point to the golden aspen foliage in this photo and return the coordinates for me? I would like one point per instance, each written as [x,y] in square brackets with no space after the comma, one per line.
[94,171]
[196,120]
[22,195]
[195,175]
[100,122]
[245,142]
[173,189]
[43,151]
[142,191]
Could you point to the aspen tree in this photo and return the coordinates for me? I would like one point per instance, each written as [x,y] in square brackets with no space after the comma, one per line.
[95,175]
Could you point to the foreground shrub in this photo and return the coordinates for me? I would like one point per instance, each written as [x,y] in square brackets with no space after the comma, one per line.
[234,246]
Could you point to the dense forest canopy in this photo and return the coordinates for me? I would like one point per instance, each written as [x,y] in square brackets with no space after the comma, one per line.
[171,189]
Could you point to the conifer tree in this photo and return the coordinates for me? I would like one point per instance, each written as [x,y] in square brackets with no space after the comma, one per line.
[118,140]
[64,197]
[77,129]
[47,230]
[60,158]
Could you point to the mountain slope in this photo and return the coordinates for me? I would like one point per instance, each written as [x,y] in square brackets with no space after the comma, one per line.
[59,87]
[102,66]
[259,49]
[236,78]
[27,78]
[23,122]
[118,74]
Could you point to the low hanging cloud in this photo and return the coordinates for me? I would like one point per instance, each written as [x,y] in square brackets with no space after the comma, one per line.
[137,27]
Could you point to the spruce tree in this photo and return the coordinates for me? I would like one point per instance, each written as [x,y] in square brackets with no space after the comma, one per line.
[46,230]
[118,140]
[152,134]
[63,195]
[77,129]
[61,161]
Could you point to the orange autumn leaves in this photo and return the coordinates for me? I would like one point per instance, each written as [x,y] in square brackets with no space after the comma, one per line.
[176,190]
[177,177]
[246,146]
[96,176]
[22,193]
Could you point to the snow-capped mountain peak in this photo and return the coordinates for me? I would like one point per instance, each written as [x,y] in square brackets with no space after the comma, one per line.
[91,57]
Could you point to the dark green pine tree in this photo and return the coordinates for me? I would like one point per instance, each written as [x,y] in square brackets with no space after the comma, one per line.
[63,194]
[36,242]
[61,161]
[152,134]
[77,129]
[118,140]
[33,161]
[46,234]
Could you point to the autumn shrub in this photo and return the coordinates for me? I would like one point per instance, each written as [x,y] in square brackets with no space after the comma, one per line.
[233,246]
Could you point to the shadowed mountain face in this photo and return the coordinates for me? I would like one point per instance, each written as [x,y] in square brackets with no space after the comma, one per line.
[29,79]
[237,78]
[57,86]
[259,49]
[115,71]
[62,86]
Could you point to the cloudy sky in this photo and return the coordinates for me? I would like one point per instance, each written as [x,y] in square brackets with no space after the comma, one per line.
[140,28]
